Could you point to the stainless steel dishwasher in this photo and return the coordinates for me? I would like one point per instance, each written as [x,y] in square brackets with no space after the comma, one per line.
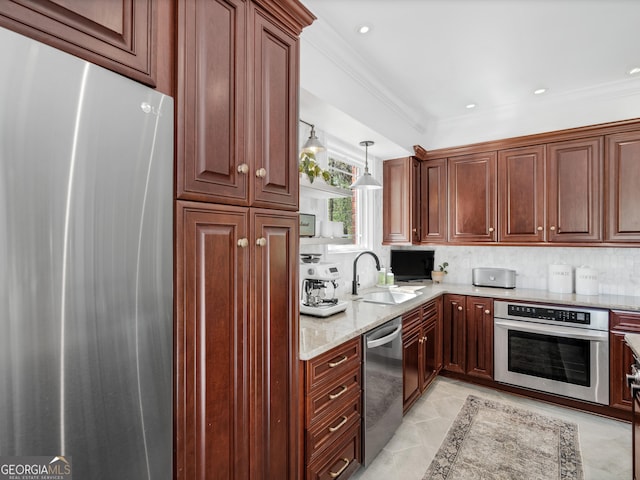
[382,386]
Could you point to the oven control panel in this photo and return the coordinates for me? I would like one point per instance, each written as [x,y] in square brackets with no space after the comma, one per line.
[545,313]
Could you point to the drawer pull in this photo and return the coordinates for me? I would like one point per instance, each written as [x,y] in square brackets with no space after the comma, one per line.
[339,472]
[333,396]
[335,364]
[340,425]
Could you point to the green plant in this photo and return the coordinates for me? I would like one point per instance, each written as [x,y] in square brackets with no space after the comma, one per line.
[443,267]
[310,167]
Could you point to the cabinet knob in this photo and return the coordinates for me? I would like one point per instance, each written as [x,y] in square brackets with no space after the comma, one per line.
[460,307]
[243,168]
[490,229]
[261,242]
[552,228]
[487,312]
[424,339]
[415,230]
[540,229]
[243,243]
[261,173]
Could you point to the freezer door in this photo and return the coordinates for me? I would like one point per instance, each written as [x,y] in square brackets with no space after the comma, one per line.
[86,265]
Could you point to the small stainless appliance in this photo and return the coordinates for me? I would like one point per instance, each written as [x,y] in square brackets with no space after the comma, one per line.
[382,386]
[558,350]
[318,289]
[494,277]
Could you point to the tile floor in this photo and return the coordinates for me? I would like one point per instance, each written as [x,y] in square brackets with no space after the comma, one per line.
[605,443]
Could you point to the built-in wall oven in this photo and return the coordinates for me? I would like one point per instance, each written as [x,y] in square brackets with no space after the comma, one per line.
[557,350]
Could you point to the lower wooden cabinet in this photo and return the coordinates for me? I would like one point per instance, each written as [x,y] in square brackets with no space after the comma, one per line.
[621,357]
[236,343]
[454,333]
[479,319]
[422,349]
[333,408]
[468,335]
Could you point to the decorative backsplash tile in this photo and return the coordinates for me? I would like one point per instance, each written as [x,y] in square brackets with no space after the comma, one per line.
[618,268]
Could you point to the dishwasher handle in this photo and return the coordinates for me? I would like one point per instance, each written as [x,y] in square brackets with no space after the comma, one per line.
[376,342]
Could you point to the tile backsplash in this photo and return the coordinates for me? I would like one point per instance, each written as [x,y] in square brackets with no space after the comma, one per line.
[618,268]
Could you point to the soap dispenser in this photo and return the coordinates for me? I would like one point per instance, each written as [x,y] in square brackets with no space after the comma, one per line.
[390,278]
[382,276]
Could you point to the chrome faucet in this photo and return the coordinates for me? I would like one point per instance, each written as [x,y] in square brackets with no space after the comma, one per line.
[355,284]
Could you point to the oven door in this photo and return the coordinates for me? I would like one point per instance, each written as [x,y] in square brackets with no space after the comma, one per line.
[566,361]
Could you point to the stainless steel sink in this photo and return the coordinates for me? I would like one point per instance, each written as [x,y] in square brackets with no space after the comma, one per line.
[388,297]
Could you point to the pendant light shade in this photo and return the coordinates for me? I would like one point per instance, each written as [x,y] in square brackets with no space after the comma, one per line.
[366,180]
[312,145]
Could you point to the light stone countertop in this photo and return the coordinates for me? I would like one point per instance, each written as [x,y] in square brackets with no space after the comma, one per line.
[633,340]
[319,335]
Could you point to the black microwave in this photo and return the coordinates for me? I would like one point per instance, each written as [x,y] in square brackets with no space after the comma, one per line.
[412,264]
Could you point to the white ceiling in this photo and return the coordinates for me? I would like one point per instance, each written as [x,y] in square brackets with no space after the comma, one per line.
[408,81]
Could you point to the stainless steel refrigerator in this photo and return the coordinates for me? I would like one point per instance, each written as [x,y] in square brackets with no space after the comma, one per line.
[86,265]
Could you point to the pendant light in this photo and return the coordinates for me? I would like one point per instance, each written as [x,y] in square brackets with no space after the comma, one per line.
[366,181]
[312,145]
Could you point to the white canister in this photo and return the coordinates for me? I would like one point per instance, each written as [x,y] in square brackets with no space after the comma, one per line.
[560,278]
[586,280]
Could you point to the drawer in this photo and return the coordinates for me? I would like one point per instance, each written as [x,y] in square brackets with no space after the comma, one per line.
[333,364]
[332,396]
[627,321]
[340,461]
[411,320]
[430,310]
[331,427]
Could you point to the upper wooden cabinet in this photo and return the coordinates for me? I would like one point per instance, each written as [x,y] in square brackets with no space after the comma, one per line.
[574,190]
[622,187]
[433,201]
[521,194]
[401,201]
[472,198]
[117,34]
[237,111]
[414,200]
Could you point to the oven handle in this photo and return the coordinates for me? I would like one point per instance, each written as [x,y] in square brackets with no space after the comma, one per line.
[559,331]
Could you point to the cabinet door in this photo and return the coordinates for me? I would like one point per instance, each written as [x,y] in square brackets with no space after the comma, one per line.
[479,312]
[622,170]
[116,34]
[411,345]
[574,190]
[212,412]
[472,198]
[454,333]
[433,205]
[398,201]
[273,333]
[273,83]
[619,366]
[211,102]
[432,353]
[521,194]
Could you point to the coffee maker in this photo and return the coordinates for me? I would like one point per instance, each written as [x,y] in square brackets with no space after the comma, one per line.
[319,282]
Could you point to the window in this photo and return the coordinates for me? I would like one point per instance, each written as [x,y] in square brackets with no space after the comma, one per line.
[343,209]
[351,210]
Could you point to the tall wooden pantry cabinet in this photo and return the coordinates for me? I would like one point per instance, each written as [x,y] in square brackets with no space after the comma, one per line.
[237,379]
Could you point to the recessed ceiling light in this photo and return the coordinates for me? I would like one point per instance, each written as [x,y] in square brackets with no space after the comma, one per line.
[364,29]
[634,71]
[471,105]
[539,91]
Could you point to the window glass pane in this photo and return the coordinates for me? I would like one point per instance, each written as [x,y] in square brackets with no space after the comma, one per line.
[343,209]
